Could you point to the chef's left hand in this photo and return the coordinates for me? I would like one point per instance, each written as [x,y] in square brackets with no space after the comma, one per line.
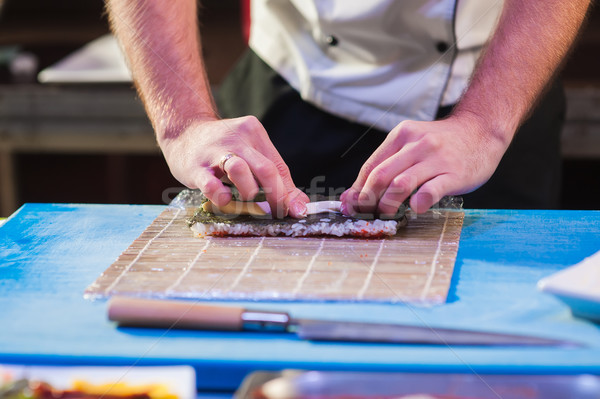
[447,157]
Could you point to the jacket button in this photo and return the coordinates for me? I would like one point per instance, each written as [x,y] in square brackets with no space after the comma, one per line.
[331,40]
[442,47]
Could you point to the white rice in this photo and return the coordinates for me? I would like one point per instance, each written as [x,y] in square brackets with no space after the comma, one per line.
[351,227]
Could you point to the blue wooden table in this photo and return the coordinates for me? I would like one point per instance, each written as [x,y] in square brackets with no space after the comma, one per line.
[49,253]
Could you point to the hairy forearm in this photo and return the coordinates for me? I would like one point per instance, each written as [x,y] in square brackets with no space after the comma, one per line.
[162,45]
[530,42]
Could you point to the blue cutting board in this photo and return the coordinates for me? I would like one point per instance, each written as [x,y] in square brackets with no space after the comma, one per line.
[49,253]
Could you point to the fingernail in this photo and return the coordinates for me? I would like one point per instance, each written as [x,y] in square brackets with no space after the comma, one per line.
[344,209]
[298,209]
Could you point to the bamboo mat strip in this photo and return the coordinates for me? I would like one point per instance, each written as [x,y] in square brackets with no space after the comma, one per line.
[415,265]
[308,268]
[433,266]
[172,287]
[365,286]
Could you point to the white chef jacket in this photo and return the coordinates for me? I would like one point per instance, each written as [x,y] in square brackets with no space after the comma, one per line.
[376,62]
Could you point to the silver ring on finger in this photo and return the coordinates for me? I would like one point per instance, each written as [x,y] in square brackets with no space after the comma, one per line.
[224,160]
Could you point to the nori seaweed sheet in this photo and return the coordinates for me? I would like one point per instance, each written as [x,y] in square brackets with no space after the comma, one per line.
[200,216]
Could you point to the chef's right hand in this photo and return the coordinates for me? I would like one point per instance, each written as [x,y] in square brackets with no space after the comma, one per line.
[195,157]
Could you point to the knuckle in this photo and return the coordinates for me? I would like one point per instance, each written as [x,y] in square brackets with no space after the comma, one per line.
[401,185]
[252,120]
[265,169]
[367,198]
[409,131]
[235,166]
[378,177]
[282,168]
[367,168]
[250,124]
[405,128]
[434,141]
[431,142]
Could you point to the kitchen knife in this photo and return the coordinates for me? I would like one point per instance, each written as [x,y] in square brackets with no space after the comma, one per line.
[140,312]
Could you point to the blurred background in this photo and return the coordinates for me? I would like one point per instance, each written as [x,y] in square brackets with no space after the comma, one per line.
[91,141]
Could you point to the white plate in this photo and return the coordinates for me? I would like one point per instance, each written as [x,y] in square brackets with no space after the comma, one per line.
[578,286]
[99,61]
[180,380]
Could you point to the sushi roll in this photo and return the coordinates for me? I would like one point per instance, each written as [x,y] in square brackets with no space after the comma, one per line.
[254,219]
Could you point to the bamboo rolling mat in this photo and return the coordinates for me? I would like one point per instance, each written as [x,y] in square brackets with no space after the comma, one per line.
[167,261]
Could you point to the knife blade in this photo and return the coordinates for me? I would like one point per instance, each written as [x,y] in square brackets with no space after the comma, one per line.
[398,333]
[172,314]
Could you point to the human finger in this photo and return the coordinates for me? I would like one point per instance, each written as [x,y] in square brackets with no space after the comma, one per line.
[396,139]
[212,187]
[380,179]
[295,201]
[238,172]
[270,180]
[400,189]
[349,200]
[431,192]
